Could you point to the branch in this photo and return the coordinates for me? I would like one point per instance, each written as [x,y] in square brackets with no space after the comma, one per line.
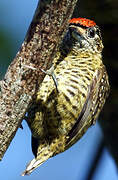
[20,83]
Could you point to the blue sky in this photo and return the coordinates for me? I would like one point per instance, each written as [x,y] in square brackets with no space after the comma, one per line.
[15,17]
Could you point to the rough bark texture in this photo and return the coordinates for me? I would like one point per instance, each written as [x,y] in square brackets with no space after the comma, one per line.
[20,82]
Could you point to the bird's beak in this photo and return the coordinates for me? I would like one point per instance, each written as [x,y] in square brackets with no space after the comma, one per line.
[77,32]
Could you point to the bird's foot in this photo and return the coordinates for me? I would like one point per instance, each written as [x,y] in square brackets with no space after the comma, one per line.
[51,73]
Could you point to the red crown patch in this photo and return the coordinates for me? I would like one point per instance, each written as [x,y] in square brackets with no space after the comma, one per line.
[82,21]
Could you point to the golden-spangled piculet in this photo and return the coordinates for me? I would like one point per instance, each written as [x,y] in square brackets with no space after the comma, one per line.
[67,104]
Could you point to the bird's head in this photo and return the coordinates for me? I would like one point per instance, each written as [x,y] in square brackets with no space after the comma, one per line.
[84,35]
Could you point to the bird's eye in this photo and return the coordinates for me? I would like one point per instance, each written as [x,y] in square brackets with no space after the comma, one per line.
[91,32]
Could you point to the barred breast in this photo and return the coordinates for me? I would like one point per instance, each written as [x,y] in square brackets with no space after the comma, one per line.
[61,107]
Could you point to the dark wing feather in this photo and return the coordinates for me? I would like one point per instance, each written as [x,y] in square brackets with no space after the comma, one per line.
[92,106]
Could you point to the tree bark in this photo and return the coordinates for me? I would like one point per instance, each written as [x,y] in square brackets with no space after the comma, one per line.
[38,49]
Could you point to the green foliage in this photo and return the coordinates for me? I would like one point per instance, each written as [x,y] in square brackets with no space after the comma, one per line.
[6,50]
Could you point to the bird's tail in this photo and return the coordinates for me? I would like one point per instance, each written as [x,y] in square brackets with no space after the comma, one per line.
[36,162]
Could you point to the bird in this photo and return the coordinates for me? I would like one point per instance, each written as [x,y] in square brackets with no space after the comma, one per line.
[70,99]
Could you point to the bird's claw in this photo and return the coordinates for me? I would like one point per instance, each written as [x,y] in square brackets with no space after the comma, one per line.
[51,73]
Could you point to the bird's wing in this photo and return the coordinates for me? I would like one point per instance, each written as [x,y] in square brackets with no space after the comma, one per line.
[94,102]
